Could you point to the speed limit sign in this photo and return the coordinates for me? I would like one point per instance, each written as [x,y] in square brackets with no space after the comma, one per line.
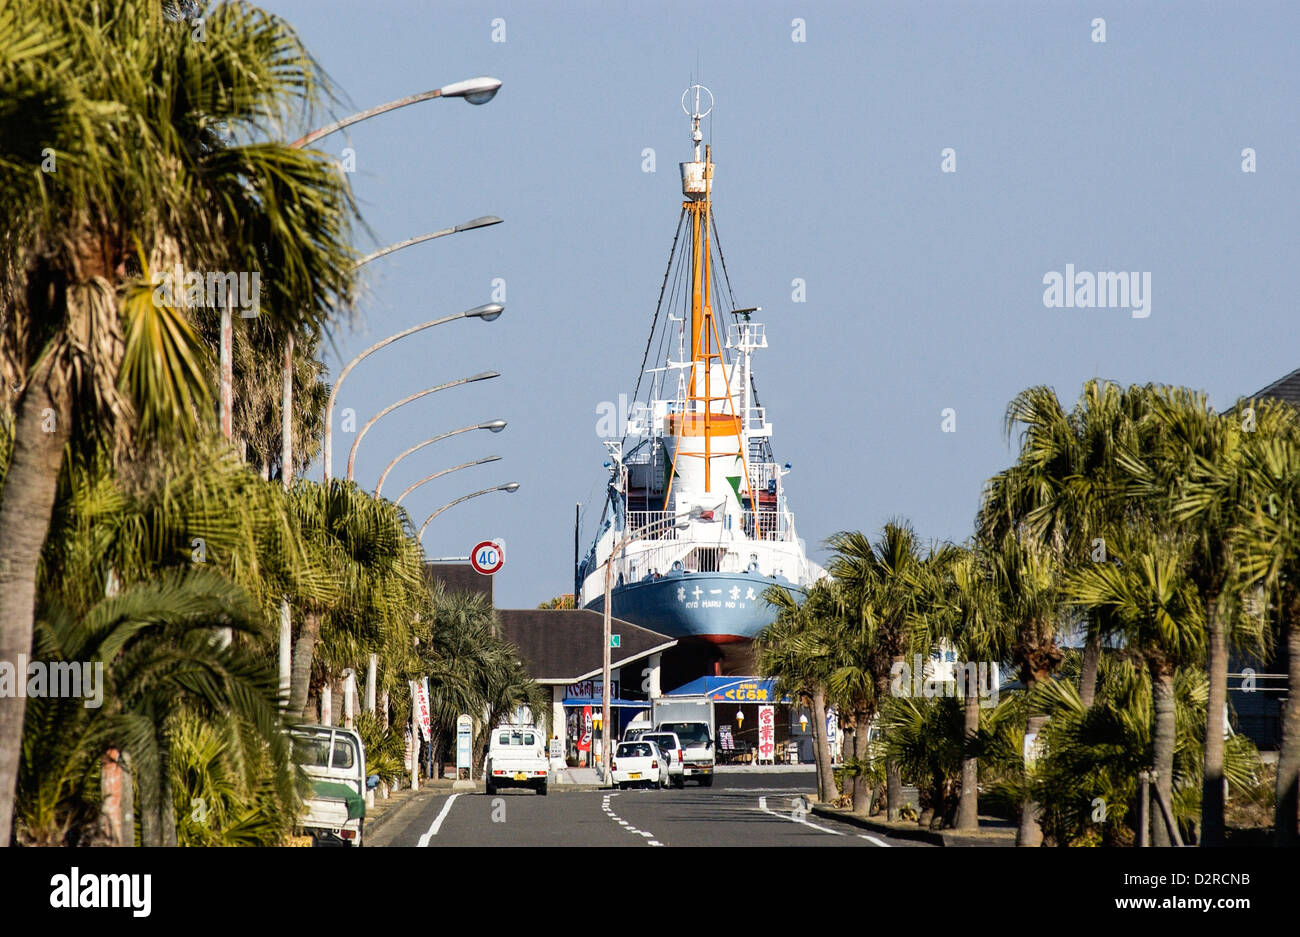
[487,557]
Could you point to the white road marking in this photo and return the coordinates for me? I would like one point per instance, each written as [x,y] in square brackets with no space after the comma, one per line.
[878,842]
[437,823]
[762,805]
[627,826]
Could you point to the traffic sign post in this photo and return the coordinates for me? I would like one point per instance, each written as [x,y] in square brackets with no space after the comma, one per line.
[487,557]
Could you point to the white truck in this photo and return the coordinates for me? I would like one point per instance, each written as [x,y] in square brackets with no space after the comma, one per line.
[335,759]
[691,719]
[517,757]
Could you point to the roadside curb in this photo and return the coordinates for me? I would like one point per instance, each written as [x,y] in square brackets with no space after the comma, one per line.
[911,832]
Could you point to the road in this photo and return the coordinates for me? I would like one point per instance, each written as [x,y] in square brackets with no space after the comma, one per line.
[739,810]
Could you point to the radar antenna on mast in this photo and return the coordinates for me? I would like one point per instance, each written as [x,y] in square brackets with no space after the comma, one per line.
[696,114]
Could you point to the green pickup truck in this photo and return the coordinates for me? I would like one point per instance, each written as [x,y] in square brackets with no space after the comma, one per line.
[335,759]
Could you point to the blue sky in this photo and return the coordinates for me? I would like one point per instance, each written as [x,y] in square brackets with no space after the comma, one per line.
[924,289]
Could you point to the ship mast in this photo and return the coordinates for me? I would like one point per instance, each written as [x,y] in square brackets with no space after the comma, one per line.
[701,422]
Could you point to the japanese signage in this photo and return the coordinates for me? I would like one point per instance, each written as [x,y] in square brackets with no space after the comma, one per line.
[766,733]
[464,742]
[590,689]
[584,741]
[422,708]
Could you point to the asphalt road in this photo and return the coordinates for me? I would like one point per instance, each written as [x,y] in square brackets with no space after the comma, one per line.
[739,810]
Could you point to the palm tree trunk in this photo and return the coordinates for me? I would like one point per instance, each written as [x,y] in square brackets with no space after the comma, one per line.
[166,803]
[822,747]
[1162,734]
[41,430]
[1091,661]
[861,786]
[114,798]
[1030,832]
[150,830]
[1212,826]
[1286,820]
[893,777]
[968,803]
[304,650]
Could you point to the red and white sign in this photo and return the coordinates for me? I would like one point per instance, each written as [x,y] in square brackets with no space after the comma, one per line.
[766,733]
[584,743]
[487,557]
[422,708]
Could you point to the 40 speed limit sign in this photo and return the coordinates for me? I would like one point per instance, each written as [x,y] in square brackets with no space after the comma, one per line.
[488,556]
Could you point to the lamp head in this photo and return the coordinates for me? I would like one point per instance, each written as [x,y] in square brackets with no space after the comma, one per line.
[474,90]
[481,222]
[495,426]
[512,487]
[488,312]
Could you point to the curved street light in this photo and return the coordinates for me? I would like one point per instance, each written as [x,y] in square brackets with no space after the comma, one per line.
[454,468]
[484,221]
[495,426]
[487,313]
[352,454]
[511,487]
[474,90]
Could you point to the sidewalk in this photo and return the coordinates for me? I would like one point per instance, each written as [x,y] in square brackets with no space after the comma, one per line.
[583,777]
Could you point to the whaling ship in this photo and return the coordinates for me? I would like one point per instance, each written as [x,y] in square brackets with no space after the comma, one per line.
[695,470]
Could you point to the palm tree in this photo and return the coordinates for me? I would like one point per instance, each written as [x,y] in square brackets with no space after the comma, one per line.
[1268,543]
[966,600]
[795,650]
[880,589]
[1148,587]
[157,164]
[161,656]
[366,584]
[1067,485]
[1025,575]
[1191,467]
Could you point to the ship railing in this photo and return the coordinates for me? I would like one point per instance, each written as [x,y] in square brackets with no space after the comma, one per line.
[751,334]
[666,529]
[763,476]
[768,525]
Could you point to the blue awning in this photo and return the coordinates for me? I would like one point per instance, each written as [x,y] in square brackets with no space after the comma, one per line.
[596,704]
[732,690]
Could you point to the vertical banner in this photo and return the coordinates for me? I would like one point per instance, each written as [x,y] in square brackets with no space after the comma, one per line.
[766,733]
[584,742]
[422,709]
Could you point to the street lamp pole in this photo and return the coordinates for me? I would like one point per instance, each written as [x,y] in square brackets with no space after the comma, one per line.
[495,426]
[473,90]
[511,487]
[448,471]
[681,521]
[352,454]
[487,313]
